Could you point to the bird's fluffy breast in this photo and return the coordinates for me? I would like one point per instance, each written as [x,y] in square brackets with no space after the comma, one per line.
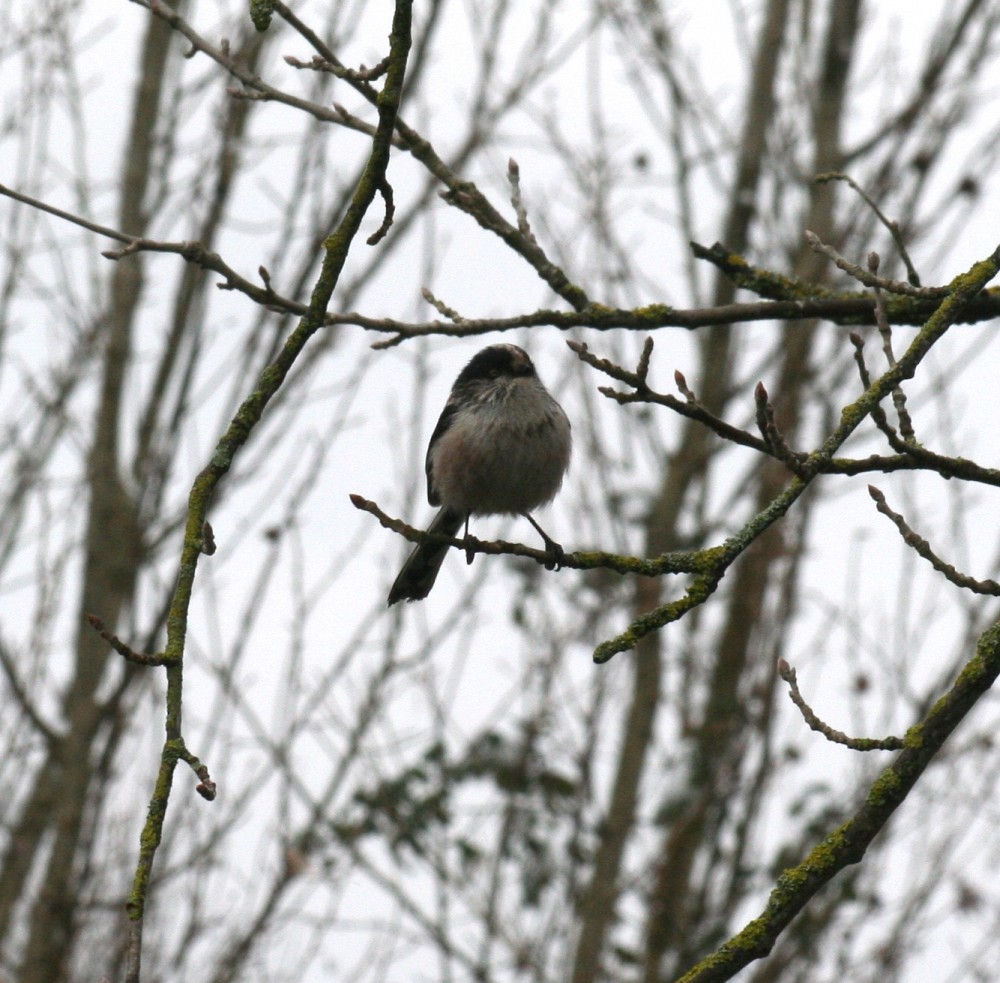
[503,456]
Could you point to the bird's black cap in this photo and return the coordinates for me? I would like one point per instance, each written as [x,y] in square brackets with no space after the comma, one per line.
[496,360]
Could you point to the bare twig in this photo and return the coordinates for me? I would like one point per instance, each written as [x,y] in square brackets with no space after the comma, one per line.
[442,308]
[514,176]
[848,843]
[463,194]
[846,309]
[923,548]
[898,396]
[911,456]
[878,414]
[890,224]
[869,280]
[206,788]
[385,190]
[769,430]
[123,649]
[787,673]
[189,250]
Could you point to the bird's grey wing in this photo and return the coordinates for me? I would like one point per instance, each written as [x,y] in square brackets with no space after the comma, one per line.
[444,422]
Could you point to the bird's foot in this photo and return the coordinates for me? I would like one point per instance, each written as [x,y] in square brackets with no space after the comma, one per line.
[556,554]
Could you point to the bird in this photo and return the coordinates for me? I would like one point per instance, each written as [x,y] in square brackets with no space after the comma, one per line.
[501,447]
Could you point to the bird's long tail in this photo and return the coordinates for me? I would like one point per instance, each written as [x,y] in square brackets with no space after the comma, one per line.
[420,571]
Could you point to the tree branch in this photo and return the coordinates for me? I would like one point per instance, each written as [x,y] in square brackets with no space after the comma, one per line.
[847,844]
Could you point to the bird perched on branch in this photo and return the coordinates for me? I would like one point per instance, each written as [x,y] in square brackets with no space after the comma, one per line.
[501,447]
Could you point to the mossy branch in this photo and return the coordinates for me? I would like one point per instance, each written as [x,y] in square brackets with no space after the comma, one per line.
[335,249]
[961,290]
[848,843]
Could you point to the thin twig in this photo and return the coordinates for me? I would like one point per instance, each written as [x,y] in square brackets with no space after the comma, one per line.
[911,456]
[885,330]
[441,307]
[923,548]
[863,276]
[689,407]
[878,413]
[385,190]
[123,649]
[848,843]
[787,673]
[770,431]
[890,224]
[206,788]
[514,176]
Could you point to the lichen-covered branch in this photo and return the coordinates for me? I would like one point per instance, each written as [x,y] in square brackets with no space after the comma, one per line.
[847,844]
[335,251]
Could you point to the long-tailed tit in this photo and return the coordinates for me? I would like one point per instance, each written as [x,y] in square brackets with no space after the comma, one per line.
[501,447]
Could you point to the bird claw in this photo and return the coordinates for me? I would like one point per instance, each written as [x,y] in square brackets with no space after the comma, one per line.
[556,556]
